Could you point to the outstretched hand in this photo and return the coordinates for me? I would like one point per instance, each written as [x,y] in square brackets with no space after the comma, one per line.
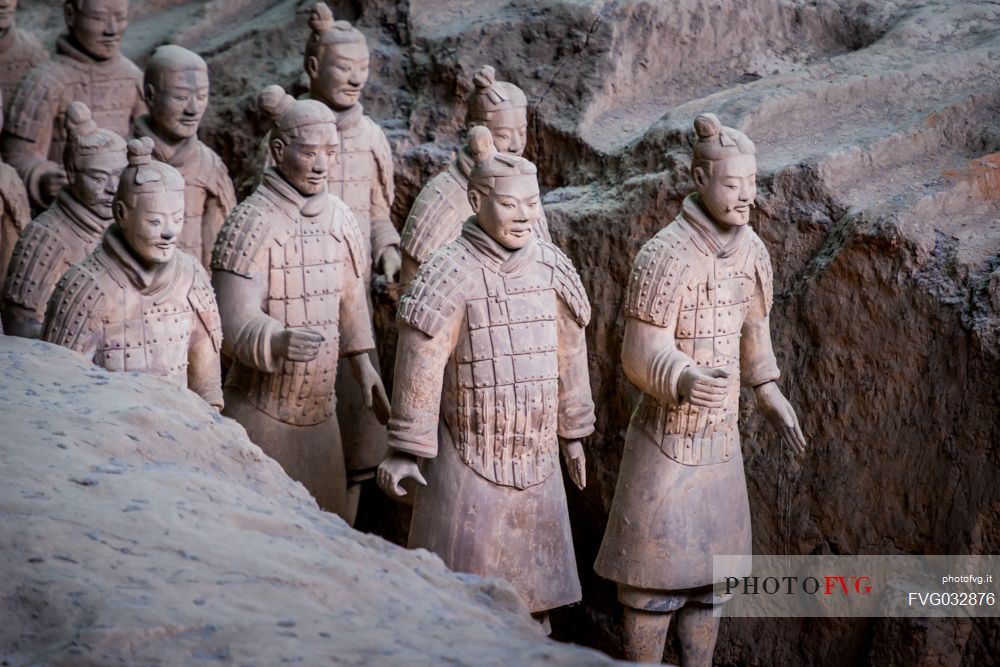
[781,414]
[576,462]
[372,388]
[296,344]
[394,469]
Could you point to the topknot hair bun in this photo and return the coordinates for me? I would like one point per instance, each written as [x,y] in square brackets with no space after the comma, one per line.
[320,18]
[485,78]
[79,121]
[707,125]
[274,102]
[140,152]
[481,144]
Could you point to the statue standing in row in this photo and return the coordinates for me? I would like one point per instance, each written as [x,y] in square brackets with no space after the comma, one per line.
[68,230]
[442,207]
[19,50]
[15,211]
[491,382]
[87,67]
[696,308]
[289,268]
[135,304]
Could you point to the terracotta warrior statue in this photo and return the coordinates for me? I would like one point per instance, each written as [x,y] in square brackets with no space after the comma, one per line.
[696,329]
[87,67]
[176,91]
[71,228]
[491,381]
[289,269]
[15,211]
[135,304]
[442,206]
[336,61]
[19,50]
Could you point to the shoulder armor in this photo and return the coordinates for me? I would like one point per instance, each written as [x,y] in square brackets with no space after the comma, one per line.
[383,160]
[39,251]
[567,282]
[246,231]
[763,269]
[33,46]
[436,216]
[658,272]
[15,197]
[437,291]
[347,224]
[31,110]
[202,300]
[74,310]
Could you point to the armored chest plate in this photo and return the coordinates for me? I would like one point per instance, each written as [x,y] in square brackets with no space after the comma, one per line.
[148,336]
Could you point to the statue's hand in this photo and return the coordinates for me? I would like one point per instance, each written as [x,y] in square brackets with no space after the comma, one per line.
[576,462]
[50,183]
[781,414]
[296,344]
[371,386]
[707,388]
[390,263]
[394,469]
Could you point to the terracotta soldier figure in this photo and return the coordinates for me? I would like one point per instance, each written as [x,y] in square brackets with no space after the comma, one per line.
[87,67]
[336,61]
[71,228]
[15,211]
[491,378]
[696,328]
[176,91]
[135,304]
[289,267]
[442,206]
[19,50]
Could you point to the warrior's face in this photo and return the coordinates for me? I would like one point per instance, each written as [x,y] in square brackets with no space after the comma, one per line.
[509,213]
[93,180]
[510,129]
[339,74]
[728,189]
[305,159]
[97,25]
[7,9]
[151,226]
[178,102]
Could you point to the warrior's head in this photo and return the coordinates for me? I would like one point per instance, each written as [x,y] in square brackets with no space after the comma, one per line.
[149,204]
[724,169]
[501,107]
[175,84]
[7,10]
[94,159]
[303,138]
[503,192]
[97,26]
[336,59]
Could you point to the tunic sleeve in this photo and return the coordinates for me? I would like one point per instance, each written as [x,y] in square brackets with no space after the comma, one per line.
[576,407]
[383,234]
[757,363]
[246,329]
[355,321]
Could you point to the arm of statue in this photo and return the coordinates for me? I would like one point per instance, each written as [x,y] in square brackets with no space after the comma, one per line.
[42,178]
[654,364]
[252,336]
[357,339]
[384,236]
[759,369]
[576,406]
[214,215]
[205,368]
[416,400]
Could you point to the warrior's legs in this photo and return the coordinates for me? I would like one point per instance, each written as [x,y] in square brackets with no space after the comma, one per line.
[698,628]
[645,633]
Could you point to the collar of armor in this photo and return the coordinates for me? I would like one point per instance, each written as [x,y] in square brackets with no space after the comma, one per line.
[65,46]
[79,214]
[178,155]
[700,221]
[308,206]
[146,280]
[494,255]
[349,118]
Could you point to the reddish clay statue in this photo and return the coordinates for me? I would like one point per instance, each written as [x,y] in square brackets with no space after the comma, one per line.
[442,206]
[176,90]
[15,211]
[289,268]
[491,375]
[71,228]
[696,327]
[87,67]
[19,50]
[135,304]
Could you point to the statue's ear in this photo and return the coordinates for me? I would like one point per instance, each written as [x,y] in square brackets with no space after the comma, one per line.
[277,148]
[69,14]
[700,177]
[150,94]
[312,67]
[475,200]
[118,211]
